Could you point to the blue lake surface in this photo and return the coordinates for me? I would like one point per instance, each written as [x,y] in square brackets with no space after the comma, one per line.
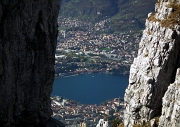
[91,88]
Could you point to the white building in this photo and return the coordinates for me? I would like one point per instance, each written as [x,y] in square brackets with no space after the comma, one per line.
[102,123]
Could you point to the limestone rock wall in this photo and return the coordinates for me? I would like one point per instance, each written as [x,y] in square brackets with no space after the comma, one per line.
[155,67]
[171,105]
[28,31]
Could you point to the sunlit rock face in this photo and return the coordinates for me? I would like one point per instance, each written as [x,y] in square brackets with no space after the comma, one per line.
[28,31]
[155,67]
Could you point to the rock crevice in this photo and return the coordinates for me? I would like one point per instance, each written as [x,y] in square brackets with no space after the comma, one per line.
[155,67]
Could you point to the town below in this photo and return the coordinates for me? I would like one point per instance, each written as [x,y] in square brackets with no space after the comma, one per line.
[85,47]
[75,114]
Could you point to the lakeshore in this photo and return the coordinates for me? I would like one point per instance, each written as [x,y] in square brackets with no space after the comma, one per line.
[69,74]
[91,88]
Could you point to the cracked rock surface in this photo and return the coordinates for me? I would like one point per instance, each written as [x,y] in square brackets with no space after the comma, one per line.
[155,67]
[28,32]
[170,116]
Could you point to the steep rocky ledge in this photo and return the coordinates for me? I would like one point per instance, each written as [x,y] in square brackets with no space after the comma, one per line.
[155,68]
[28,31]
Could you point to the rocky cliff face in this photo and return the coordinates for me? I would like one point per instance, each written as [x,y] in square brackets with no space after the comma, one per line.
[155,69]
[28,30]
[170,116]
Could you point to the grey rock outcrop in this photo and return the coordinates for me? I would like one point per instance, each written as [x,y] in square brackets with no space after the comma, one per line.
[155,67]
[28,32]
[170,116]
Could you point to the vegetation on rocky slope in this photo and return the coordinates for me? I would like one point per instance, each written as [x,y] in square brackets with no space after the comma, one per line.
[170,20]
[173,18]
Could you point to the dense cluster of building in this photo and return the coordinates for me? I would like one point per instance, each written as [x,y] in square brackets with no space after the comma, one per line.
[85,39]
[95,42]
[72,113]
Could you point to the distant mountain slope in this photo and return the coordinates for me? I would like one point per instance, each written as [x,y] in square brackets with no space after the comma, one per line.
[130,13]
[92,10]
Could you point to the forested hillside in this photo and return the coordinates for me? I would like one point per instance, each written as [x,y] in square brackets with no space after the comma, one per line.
[125,14]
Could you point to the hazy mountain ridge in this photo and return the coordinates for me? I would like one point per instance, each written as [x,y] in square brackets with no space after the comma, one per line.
[126,14]
[88,9]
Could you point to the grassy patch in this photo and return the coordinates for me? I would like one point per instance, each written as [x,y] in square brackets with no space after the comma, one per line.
[174,18]
[149,32]
[171,20]
[121,125]
[106,49]
[152,18]
[158,3]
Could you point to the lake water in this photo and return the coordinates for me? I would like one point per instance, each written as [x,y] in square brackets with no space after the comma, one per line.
[91,88]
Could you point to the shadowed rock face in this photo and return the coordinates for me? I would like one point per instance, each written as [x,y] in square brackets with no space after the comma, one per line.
[28,31]
[170,116]
[155,68]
